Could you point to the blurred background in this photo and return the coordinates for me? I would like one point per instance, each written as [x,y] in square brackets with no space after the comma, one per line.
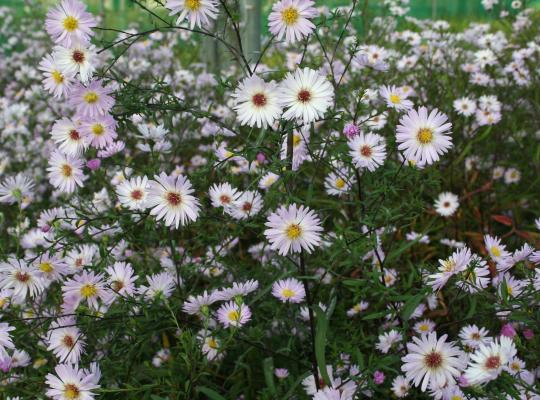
[121,12]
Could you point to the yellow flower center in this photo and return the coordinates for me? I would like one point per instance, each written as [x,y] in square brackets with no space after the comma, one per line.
[287,293]
[449,265]
[290,16]
[71,391]
[395,99]
[91,97]
[296,140]
[212,343]
[57,77]
[293,231]
[233,315]
[88,290]
[67,171]
[97,129]
[423,328]
[456,397]
[192,5]
[425,135]
[509,290]
[495,251]
[46,267]
[70,23]
[340,183]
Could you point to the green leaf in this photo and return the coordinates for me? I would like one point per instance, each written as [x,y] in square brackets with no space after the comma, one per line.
[320,343]
[268,368]
[212,394]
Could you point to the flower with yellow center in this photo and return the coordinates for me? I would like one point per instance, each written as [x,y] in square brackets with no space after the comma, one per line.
[98,129]
[71,391]
[287,293]
[290,16]
[88,290]
[70,23]
[340,183]
[193,5]
[294,231]
[46,267]
[91,97]
[395,99]
[57,77]
[425,135]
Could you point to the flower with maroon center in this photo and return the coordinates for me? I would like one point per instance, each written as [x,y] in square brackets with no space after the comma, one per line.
[306,94]
[368,151]
[432,362]
[132,193]
[171,199]
[488,361]
[256,102]
[77,59]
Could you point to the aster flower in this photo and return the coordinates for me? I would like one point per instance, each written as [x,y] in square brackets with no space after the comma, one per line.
[92,100]
[198,305]
[488,361]
[446,204]
[496,250]
[473,336]
[357,308]
[233,315]
[51,268]
[69,138]
[292,229]
[306,94]
[76,60]
[432,361]
[15,188]
[21,278]
[456,263]
[422,136]
[65,172]
[300,142]
[289,290]
[133,193]
[56,82]
[238,289]
[198,12]
[400,386]
[69,23]
[387,340]
[338,183]
[5,338]
[367,151]
[65,340]
[159,286]
[257,102]
[291,19]
[247,204]
[121,279]
[70,382]
[465,106]
[171,199]
[223,195]
[211,347]
[268,180]
[100,131]
[395,98]
[87,286]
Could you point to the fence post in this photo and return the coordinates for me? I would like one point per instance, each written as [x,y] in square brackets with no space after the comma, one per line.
[251,28]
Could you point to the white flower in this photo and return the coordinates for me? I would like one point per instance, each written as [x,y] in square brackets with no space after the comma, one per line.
[291,18]
[76,59]
[65,340]
[65,172]
[72,383]
[67,135]
[488,360]
[257,102]
[292,229]
[246,205]
[432,361]
[170,199]
[23,279]
[446,204]
[198,12]
[422,136]
[306,94]
[367,151]
[133,193]
[223,195]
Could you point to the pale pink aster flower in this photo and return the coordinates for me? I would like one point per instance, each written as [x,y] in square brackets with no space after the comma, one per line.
[171,199]
[132,193]
[69,23]
[473,336]
[92,100]
[233,315]
[198,305]
[306,94]
[121,279]
[77,59]
[87,286]
[291,19]
[100,131]
[289,290]
[5,338]
[237,290]
[387,340]
[51,268]
[70,382]
[56,82]
[424,137]
[69,138]
[257,102]
[367,151]
[424,326]
[21,278]
[65,340]
[159,286]
[292,229]
[111,149]
[65,172]
[198,12]
[432,361]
